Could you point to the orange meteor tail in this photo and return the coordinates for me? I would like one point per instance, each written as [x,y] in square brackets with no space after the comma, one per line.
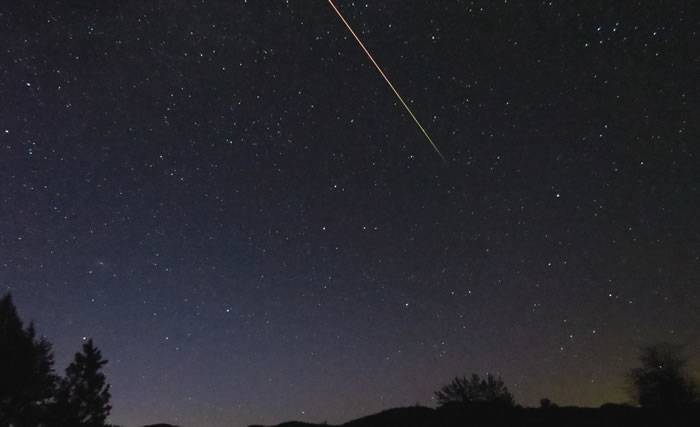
[386,79]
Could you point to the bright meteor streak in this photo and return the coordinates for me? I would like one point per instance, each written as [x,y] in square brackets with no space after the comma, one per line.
[396,92]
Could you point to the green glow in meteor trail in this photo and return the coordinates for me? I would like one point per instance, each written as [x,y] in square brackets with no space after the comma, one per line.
[396,92]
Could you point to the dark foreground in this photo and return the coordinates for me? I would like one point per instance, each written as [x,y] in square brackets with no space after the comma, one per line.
[606,416]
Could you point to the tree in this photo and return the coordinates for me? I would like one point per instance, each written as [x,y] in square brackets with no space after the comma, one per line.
[27,381]
[83,396]
[463,390]
[547,404]
[662,381]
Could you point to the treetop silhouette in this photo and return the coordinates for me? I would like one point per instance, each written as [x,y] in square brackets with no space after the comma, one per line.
[662,381]
[83,395]
[475,390]
[31,395]
[26,370]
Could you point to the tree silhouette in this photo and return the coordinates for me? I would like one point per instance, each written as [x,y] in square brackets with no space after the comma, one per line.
[662,381]
[83,396]
[547,404]
[463,390]
[27,382]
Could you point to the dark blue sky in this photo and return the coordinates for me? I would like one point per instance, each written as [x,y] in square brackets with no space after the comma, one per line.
[228,199]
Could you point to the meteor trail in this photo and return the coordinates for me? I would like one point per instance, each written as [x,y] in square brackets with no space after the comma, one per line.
[386,79]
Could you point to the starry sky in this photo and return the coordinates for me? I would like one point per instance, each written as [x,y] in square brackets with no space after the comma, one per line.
[227,197]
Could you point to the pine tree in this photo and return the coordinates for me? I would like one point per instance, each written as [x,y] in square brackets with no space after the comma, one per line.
[27,382]
[83,396]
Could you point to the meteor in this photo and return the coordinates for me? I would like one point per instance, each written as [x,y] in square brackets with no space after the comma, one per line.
[386,79]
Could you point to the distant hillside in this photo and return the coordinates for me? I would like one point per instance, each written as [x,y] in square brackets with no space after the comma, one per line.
[606,416]
[415,416]
[295,424]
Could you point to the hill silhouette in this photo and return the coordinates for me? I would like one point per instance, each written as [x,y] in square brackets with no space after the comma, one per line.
[413,416]
[609,415]
[31,394]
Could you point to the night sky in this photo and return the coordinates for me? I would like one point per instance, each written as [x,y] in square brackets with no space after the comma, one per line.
[228,198]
